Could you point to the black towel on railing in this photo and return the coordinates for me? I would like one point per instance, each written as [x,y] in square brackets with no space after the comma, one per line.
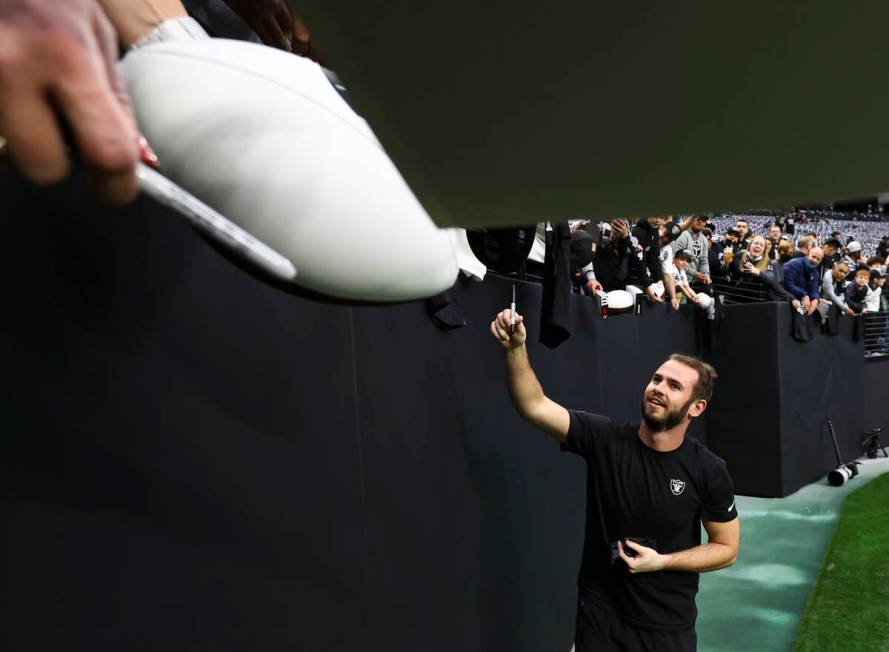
[801,325]
[556,300]
[444,312]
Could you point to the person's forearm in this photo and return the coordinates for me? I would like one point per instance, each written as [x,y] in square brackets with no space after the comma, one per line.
[700,559]
[832,296]
[521,381]
[134,18]
[780,292]
[814,290]
[704,264]
[670,284]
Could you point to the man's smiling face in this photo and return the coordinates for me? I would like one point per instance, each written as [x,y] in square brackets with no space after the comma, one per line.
[669,395]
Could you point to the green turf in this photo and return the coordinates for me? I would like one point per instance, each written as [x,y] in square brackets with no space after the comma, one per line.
[757,604]
[849,608]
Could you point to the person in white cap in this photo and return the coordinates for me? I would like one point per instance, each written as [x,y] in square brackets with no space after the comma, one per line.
[854,254]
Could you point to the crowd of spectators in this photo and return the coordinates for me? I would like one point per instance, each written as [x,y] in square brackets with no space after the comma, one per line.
[826,267]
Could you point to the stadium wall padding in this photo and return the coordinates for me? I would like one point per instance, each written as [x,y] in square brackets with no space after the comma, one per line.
[192,459]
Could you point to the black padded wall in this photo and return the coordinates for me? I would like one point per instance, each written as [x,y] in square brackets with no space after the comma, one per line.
[180,457]
[192,459]
[743,423]
[819,379]
[771,404]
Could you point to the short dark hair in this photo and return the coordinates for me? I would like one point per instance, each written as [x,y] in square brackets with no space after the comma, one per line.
[703,389]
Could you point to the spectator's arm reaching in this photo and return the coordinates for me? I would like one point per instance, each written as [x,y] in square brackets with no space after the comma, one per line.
[814,286]
[589,273]
[670,286]
[687,291]
[771,280]
[828,291]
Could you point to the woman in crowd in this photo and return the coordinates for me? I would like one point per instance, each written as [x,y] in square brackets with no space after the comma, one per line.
[757,268]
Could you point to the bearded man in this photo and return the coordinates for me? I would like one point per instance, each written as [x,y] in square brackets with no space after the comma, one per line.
[649,489]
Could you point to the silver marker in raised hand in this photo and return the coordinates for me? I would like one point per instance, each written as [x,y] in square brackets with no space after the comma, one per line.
[512,312]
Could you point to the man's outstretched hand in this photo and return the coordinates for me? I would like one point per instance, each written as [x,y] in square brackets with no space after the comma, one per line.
[500,328]
[59,59]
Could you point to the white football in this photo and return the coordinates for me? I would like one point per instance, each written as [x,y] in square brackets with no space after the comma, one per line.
[262,136]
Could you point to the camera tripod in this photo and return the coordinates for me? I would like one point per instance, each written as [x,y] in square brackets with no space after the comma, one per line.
[844,471]
[872,441]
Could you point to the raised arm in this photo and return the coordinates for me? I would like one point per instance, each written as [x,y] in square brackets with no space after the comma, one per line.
[524,388]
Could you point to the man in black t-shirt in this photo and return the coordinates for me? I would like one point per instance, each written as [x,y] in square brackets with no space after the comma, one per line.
[649,489]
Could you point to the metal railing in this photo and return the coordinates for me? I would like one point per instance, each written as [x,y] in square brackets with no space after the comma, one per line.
[738,291]
[876,334]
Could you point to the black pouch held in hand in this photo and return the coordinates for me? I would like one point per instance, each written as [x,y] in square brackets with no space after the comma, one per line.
[801,329]
[620,564]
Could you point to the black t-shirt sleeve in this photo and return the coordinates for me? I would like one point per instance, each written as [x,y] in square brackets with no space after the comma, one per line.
[588,433]
[718,502]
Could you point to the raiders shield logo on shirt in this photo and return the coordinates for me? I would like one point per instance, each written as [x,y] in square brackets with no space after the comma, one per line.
[677,486]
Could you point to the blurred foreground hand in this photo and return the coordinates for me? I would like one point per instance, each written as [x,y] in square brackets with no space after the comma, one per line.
[58,59]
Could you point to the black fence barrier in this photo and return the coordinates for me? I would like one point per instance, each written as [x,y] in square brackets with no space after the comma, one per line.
[192,459]
[876,334]
[775,394]
[738,291]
